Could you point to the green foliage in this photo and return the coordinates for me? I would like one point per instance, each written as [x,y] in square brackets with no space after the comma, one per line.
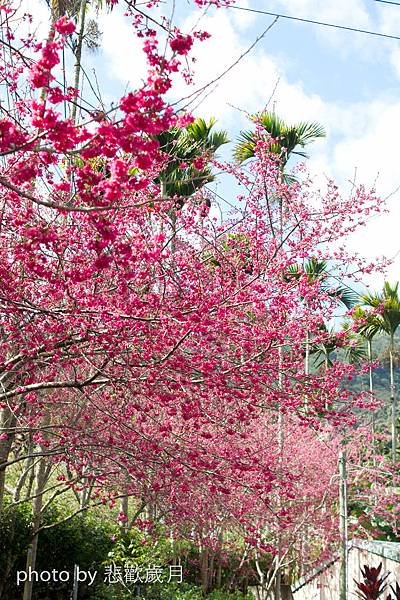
[223,595]
[85,541]
[182,147]
[286,138]
[135,547]
[14,536]
[388,302]
[93,542]
[150,592]
[168,592]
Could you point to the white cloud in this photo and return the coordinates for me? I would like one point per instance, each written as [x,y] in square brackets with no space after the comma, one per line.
[351,12]
[40,19]
[249,85]
[373,150]
[241,19]
[366,134]
[348,13]
[122,51]
[363,135]
[389,19]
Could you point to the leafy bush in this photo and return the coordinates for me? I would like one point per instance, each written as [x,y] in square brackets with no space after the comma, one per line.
[84,541]
[136,547]
[167,592]
[14,539]
[93,543]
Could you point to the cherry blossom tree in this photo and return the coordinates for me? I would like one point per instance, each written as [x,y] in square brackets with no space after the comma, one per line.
[133,366]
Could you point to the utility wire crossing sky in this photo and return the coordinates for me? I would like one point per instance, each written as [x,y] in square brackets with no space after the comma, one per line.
[322,23]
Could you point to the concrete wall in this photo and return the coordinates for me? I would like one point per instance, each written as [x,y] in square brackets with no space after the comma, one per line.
[325,585]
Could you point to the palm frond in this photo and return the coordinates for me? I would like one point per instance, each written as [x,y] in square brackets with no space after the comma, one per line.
[355,350]
[185,182]
[344,295]
[182,147]
[289,179]
[315,268]
[308,132]
[201,134]
[285,138]
[245,148]
[387,303]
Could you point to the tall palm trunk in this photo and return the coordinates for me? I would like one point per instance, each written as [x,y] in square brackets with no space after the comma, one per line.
[281,418]
[343,525]
[393,400]
[78,53]
[370,373]
[281,445]
[371,389]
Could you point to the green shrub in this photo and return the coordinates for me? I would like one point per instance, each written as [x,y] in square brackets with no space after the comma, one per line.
[14,540]
[82,541]
[166,592]
[94,543]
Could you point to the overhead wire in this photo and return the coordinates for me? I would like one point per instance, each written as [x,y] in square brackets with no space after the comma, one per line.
[321,23]
[388,2]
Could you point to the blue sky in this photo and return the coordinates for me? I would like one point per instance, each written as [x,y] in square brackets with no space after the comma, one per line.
[347,81]
[341,66]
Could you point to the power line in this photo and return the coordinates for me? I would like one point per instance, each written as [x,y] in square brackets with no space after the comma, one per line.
[388,2]
[322,23]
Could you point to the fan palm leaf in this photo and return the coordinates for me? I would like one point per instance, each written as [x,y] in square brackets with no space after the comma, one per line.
[388,302]
[317,270]
[181,147]
[285,139]
[383,316]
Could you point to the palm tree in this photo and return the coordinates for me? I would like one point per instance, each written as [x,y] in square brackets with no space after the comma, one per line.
[188,153]
[87,32]
[317,271]
[285,139]
[383,316]
[361,323]
[180,177]
[350,344]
